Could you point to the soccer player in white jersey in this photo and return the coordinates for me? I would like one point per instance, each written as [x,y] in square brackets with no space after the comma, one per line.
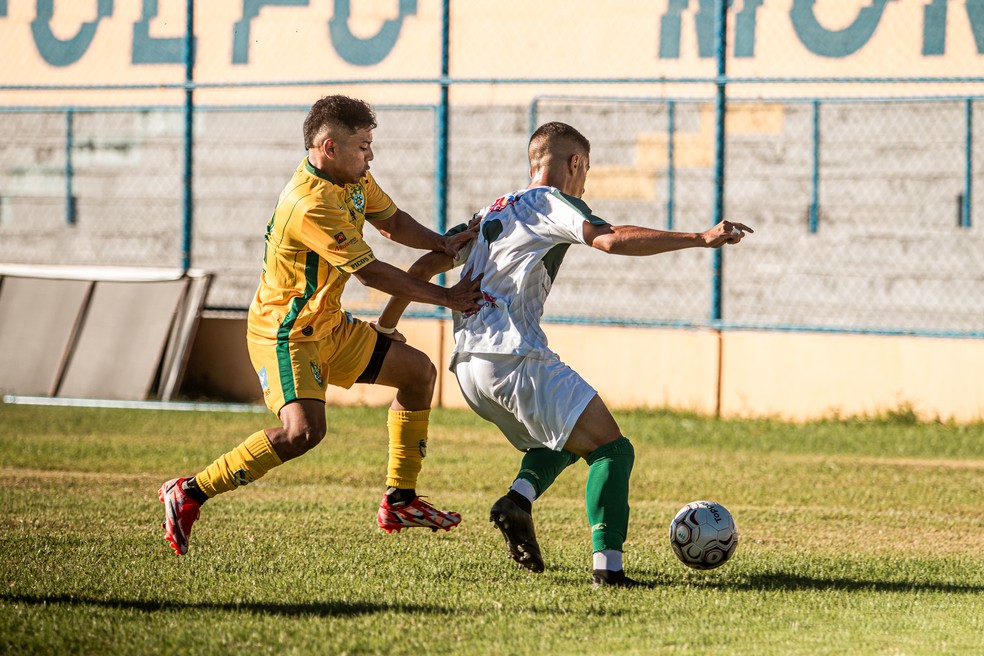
[504,367]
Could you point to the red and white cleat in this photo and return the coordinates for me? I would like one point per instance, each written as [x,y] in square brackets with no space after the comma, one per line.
[180,512]
[416,513]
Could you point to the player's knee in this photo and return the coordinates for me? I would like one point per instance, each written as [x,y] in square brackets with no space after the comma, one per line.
[422,374]
[298,440]
[429,374]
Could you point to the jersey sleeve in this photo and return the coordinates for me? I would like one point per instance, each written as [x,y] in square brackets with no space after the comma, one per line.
[566,216]
[379,206]
[329,233]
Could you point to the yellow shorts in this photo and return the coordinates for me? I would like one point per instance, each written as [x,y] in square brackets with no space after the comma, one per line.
[303,370]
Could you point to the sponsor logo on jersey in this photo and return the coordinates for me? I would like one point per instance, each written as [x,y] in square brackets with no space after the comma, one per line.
[488,301]
[503,203]
[366,259]
[339,238]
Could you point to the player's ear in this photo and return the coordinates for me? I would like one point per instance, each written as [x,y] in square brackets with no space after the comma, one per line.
[328,148]
[573,163]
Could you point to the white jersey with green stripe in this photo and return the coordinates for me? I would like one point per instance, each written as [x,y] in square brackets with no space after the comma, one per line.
[522,240]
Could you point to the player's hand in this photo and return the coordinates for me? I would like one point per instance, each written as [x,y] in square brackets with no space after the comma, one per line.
[454,243]
[465,296]
[726,232]
[396,335]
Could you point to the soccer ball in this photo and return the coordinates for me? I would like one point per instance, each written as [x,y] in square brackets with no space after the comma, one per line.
[703,535]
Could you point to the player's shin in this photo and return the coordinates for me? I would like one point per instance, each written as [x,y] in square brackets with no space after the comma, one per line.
[607,494]
[540,468]
[241,466]
[407,447]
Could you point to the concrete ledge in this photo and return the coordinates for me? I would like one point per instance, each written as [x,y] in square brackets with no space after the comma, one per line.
[792,376]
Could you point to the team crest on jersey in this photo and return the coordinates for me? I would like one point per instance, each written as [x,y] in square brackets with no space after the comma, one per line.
[359,199]
[316,371]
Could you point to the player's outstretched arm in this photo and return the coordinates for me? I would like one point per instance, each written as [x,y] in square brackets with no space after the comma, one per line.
[425,268]
[636,240]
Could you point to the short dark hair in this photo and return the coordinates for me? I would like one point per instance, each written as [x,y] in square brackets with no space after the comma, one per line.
[337,111]
[549,134]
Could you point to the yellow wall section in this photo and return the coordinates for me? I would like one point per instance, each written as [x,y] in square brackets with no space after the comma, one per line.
[804,375]
[630,367]
[793,376]
[505,39]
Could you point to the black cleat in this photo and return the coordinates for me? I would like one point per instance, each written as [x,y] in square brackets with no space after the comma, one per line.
[604,578]
[517,529]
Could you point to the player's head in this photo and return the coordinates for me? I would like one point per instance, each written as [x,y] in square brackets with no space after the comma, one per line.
[338,136]
[561,156]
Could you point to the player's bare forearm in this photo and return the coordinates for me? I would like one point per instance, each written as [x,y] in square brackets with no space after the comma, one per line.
[404,229]
[425,268]
[395,282]
[636,240]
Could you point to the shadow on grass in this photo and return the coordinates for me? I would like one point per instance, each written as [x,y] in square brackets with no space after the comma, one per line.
[316,608]
[796,582]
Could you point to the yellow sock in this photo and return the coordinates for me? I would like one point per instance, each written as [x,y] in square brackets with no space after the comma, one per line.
[241,466]
[407,446]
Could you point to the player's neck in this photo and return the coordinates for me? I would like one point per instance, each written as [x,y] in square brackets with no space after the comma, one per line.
[547,177]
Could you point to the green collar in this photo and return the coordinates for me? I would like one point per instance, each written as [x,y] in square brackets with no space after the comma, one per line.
[309,167]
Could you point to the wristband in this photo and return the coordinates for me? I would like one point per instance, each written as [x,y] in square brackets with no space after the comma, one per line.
[385,331]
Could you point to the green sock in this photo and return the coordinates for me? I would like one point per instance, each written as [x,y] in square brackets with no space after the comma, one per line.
[541,467]
[606,494]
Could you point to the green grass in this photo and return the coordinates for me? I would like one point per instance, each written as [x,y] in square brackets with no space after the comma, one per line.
[857,536]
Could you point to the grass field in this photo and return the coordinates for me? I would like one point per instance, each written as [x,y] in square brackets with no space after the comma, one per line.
[857,537]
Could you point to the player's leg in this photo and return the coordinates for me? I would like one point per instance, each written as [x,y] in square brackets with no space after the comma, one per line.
[513,513]
[288,379]
[535,403]
[610,456]
[538,470]
[396,364]
[482,380]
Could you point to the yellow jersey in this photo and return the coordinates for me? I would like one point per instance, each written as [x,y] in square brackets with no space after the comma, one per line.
[314,243]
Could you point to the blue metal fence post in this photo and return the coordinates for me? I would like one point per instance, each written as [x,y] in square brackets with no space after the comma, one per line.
[189,111]
[441,172]
[720,83]
[814,218]
[534,115]
[70,215]
[965,218]
[670,166]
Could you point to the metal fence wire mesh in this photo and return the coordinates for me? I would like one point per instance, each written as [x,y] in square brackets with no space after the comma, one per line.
[865,194]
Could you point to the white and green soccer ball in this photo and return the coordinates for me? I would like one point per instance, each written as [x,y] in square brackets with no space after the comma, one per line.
[703,535]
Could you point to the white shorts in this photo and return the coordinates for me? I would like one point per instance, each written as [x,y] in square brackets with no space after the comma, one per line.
[534,402]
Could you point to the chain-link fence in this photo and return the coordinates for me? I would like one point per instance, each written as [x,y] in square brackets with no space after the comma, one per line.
[864,194]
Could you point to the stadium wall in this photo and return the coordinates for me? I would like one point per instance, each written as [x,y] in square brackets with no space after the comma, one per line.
[791,376]
[853,145]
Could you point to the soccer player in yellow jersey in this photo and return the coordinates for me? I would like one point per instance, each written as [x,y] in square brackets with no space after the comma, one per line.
[301,340]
